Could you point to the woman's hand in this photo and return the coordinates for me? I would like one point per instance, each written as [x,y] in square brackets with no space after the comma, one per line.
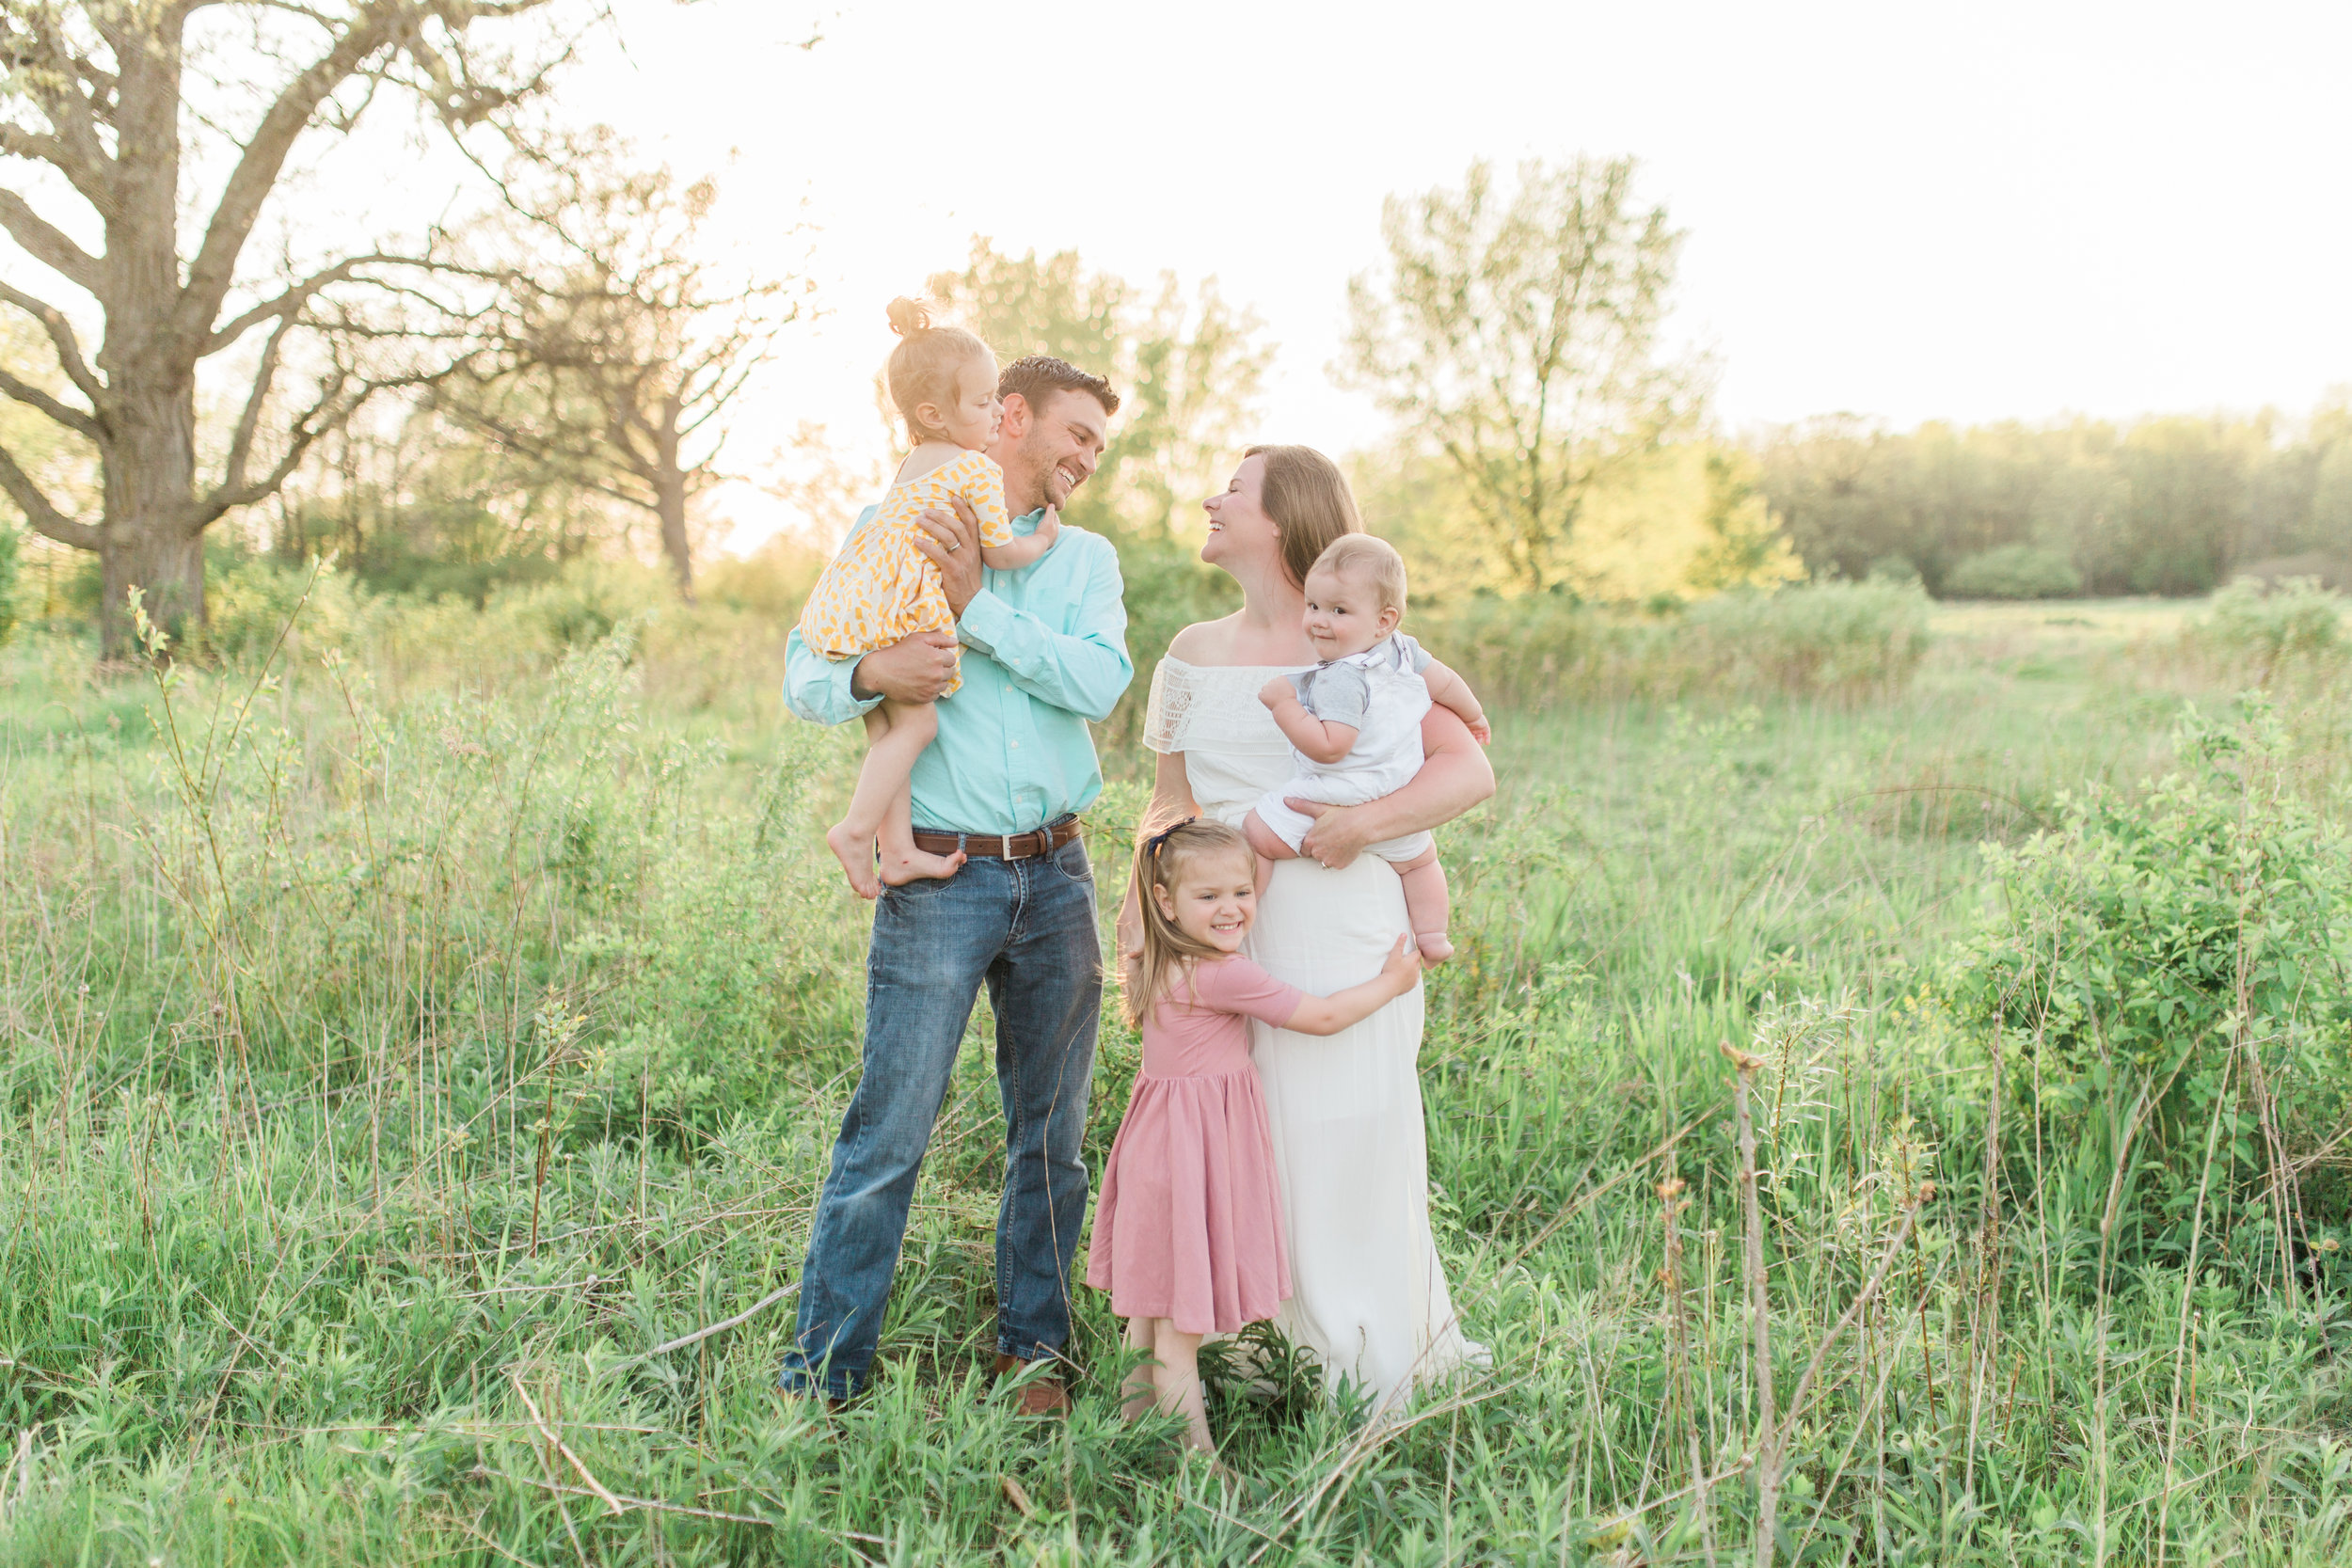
[1455,776]
[1337,837]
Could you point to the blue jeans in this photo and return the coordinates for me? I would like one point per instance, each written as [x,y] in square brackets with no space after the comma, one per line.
[1027,928]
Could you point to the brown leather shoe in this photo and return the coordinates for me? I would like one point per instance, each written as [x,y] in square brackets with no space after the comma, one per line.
[1043,1394]
[827,1404]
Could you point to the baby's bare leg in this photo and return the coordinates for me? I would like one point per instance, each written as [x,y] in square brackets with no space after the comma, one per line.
[896,735]
[1266,841]
[1428,904]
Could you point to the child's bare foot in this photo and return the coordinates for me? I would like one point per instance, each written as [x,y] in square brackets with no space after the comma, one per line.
[856,856]
[901,866]
[1434,949]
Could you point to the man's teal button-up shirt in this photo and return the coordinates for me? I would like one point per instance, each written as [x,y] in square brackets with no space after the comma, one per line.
[1044,650]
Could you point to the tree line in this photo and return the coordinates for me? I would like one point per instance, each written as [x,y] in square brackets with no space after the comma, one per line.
[2170,505]
[554,368]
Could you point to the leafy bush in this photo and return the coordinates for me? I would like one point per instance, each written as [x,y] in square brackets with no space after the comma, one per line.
[1824,639]
[1837,640]
[249,605]
[2170,971]
[2013,572]
[2267,629]
[584,603]
[7,581]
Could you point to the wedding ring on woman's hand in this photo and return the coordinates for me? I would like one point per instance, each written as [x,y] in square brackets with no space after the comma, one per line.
[953,546]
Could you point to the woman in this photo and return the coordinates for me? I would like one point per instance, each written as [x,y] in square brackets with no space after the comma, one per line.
[1369,1297]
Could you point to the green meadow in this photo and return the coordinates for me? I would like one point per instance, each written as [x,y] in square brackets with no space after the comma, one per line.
[421,1026]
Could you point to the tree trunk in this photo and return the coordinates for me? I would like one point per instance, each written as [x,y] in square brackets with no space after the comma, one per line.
[150,462]
[670,504]
[669,493]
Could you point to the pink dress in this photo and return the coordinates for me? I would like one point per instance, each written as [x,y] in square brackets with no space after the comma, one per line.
[1189,1226]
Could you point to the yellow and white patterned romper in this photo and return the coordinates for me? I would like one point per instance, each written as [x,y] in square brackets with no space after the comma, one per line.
[880,589]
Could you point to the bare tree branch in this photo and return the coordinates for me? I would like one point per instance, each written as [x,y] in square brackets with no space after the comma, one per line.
[39,509]
[62,336]
[265,377]
[46,65]
[63,413]
[45,243]
[265,157]
[290,304]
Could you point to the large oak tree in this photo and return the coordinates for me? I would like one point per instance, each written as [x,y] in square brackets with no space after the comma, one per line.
[111,97]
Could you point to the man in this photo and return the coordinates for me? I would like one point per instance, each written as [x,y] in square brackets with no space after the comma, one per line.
[1044,650]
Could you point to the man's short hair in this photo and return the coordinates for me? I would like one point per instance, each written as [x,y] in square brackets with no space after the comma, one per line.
[1035,375]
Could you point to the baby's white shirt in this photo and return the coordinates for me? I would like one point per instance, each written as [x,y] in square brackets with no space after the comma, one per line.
[1382,693]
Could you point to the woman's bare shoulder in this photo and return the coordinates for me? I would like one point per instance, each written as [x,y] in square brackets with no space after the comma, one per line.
[1205,641]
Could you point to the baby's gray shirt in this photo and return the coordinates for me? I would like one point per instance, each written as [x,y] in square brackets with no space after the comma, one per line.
[1339,690]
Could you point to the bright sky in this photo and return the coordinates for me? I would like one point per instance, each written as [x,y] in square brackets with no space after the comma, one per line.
[1913,211]
[1908,211]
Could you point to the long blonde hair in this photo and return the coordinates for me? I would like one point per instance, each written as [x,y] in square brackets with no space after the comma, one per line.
[1308,498]
[1161,858]
[923,367]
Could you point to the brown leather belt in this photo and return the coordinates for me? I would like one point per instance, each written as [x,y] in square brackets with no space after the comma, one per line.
[1012,846]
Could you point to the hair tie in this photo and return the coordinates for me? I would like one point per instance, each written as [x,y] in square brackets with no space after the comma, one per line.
[1159,840]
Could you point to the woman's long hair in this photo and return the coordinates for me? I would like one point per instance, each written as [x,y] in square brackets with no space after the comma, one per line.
[1161,859]
[1308,499]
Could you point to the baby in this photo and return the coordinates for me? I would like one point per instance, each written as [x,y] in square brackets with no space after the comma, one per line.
[1354,721]
[882,588]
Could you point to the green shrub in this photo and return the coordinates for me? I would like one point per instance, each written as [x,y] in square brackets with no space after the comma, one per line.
[2293,622]
[251,602]
[1822,638]
[584,603]
[2013,572]
[7,581]
[1837,639]
[2173,969]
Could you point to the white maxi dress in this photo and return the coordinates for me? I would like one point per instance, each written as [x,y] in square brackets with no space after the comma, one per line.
[1369,1296]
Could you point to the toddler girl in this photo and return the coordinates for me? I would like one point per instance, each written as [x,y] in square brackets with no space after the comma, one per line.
[1188,1231]
[880,589]
[1354,721]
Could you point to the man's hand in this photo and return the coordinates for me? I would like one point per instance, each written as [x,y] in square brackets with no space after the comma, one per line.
[953,544]
[912,669]
[1336,839]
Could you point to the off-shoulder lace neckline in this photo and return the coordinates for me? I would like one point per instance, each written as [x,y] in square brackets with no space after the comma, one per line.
[1277,668]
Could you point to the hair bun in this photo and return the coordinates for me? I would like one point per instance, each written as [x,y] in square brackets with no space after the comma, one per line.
[909,318]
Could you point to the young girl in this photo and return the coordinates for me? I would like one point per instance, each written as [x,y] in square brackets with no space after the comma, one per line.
[1354,721]
[880,589]
[1188,1231]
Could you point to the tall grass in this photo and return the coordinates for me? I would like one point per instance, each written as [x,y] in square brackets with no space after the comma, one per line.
[400,1050]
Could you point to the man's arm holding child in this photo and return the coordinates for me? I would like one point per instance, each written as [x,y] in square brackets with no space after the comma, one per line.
[1324,739]
[1084,672]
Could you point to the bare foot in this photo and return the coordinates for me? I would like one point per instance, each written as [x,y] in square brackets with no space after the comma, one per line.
[901,866]
[856,856]
[1434,949]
